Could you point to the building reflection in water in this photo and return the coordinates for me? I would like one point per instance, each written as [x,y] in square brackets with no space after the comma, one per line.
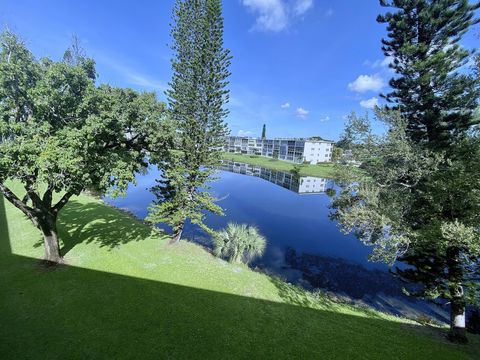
[290,181]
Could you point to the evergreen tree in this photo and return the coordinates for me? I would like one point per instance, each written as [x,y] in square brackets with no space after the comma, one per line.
[264,131]
[197,97]
[411,207]
[423,43]
[417,200]
[438,97]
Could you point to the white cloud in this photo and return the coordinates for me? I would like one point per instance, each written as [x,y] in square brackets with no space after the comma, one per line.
[301,113]
[276,15]
[366,83]
[386,62]
[302,6]
[145,81]
[370,103]
[323,119]
[379,63]
[285,106]
[244,133]
[271,14]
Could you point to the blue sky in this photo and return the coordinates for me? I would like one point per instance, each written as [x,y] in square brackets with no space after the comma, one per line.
[299,66]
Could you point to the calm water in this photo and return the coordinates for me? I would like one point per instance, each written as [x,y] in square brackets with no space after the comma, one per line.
[303,245]
[285,217]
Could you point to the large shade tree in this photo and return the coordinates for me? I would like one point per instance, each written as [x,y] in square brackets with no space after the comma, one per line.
[197,97]
[61,134]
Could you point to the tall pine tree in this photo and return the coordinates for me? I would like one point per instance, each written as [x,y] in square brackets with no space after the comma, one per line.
[197,97]
[264,131]
[424,45]
[410,207]
[438,97]
[418,198]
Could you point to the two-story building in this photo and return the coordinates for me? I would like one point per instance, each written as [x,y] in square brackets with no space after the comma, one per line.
[293,150]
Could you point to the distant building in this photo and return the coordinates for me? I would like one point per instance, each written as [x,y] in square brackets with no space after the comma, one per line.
[298,184]
[293,150]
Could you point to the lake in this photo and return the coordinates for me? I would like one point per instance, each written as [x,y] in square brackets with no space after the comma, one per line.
[303,245]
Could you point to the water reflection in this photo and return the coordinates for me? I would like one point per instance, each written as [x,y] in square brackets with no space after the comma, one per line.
[303,245]
[290,181]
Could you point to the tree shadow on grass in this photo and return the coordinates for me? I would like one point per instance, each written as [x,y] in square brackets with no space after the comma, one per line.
[98,223]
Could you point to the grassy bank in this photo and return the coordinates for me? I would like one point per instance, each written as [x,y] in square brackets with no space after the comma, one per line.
[320,170]
[125,293]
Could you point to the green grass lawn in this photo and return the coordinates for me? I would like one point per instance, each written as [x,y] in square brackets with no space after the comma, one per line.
[320,170]
[124,293]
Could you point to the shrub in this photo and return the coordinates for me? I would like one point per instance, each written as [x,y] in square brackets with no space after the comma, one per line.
[296,170]
[331,192]
[238,243]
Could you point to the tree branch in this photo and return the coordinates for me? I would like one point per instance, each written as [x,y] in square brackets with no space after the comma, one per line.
[128,142]
[62,202]
[19,204]
[47,196]
[29,187]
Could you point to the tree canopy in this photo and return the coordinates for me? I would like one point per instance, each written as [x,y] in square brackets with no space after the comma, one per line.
[423,43]
[412,207]
[61,134]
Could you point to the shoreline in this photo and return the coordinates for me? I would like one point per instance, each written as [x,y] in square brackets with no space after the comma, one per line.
[325,170]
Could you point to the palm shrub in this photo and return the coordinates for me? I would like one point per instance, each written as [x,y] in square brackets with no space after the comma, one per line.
[238,243]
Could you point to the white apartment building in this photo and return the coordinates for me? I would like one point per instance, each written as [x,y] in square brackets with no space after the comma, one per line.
[293,150]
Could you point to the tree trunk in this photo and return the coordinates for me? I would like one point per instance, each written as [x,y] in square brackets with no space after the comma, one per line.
[42,215]
[458,331]
[177,233]
[48,225]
